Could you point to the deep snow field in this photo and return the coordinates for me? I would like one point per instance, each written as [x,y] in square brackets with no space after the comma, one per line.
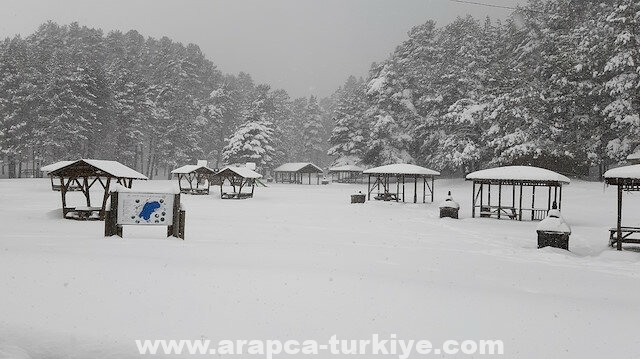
[300,262]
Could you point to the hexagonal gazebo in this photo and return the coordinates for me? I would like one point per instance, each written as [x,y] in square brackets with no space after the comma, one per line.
[515,178]
[626,178]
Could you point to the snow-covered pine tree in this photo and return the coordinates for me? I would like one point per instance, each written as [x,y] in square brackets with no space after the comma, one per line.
[253,140]
[351,131]
[624,84]
[312,131]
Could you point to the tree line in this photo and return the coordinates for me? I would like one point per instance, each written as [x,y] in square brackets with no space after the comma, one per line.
[70,91]
[556,85]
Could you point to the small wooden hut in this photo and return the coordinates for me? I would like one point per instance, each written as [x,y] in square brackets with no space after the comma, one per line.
[295,172]
[634,158]
[85,173]
[194,179]
[238,178]
[399,172]
[513,180]
[346,174]
[626,178]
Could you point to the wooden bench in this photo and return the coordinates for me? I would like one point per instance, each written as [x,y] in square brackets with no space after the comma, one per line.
[626,232]
[83,213]
[386,197]
[488,211]
[233,195]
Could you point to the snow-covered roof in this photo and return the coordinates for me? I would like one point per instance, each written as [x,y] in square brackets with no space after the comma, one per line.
[298,166]
[55,166]
[634,156]
[112,168]
[192,168]
[402,169]
[628,172]
[346,168]
[518,173]
[245,172]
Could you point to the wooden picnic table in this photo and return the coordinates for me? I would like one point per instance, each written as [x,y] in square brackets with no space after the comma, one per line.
[626,232]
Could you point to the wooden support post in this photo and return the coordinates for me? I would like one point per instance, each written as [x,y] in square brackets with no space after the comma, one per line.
[489,195]
[432,188]
[402,188]
[369,188]
[560,198]
[424,189]
[473,200]
[549,200]
[499,199]
[174,229]
[63,193]
[111,218]
[513,195]
[520,205]
[533,202]
[619,222]
[415,189]
[85,190]
[105,197]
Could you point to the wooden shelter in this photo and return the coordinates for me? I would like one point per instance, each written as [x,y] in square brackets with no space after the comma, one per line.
[198,175]
[346,174]
[85,173]
[515,178]
[238,178]
[295,172]
[626,178]
[634,158]
[400,172]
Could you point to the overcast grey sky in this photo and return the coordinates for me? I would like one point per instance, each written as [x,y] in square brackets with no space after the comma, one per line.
[307,47]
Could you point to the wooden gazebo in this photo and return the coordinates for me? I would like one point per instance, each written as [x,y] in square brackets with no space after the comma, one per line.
[295,172]
[238,178]
[85,173]
[513,179]
[400,172]
[626,178]
[346,174]
[197,178]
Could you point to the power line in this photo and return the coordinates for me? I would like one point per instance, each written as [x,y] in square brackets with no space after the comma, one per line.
[496,6]
[485,4]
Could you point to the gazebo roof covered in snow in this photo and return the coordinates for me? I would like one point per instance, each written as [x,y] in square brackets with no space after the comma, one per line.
[88,167]
[623,175]
[244,172]
[402,169]
[346,168]
[300,167]
[55,166]
[193,168]
[518,174]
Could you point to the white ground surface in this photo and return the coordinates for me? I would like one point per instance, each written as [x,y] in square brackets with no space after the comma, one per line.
[300,262]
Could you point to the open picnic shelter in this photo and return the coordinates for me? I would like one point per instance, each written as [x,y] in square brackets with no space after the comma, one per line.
[346,174]
[295,172]
[383,175]
[511,182]
[194,179]
[626,178]
[238,178]
[87,172]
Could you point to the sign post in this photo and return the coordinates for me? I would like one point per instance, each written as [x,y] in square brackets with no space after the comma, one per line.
[144,208]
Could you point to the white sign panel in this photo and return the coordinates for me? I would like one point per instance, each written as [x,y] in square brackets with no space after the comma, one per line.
[145,208]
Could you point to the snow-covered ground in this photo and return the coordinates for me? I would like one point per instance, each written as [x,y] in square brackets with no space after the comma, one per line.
[300,262]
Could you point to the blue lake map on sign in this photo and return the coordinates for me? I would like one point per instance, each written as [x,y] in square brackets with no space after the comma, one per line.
[148,210]
[145,208]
